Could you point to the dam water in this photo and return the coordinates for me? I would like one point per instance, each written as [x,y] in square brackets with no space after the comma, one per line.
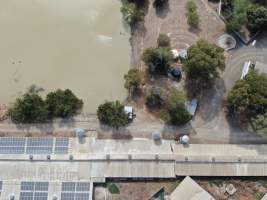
[77,44]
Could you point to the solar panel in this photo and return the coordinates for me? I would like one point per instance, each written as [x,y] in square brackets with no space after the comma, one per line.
[75,191]
[12,145]
[26,196]
[82,196]
[67,196]
[40,195]
[68,186]
[27,186]
[83,186]
[61,146]
[34,190]
[41,186]
[39,146]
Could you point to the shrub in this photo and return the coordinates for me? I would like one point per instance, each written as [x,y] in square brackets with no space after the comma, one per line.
[112,188]
[155,97]
[192,15]
[163,40]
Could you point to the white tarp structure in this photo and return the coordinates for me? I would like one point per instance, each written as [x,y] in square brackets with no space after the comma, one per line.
[245,69]
[129,111]
[191,106]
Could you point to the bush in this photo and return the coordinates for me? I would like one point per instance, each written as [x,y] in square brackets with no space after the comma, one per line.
[112,114]
[63,103]
[30,108]
[258,124]
[192,15]
[158,59]
[155,97]
[112,188]
[191,6]
[131,13]
[163,40]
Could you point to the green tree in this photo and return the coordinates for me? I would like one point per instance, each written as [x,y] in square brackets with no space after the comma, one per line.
[131,13]
[176,113]
[134,79]
[63,103]
[204,60]
[248,97]
[257,18]
[155,97]
[112,114]
[163,40]
[158,59]
[30,108]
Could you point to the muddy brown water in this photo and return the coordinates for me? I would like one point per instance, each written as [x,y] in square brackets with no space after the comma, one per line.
[77,44]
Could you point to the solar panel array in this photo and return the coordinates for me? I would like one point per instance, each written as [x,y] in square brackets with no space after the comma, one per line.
[33,190]
[75,191]
[16,145]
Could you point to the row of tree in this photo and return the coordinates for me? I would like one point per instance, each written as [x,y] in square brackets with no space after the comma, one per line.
[32,108]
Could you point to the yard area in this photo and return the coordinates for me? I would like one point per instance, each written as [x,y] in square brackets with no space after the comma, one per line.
[246,189]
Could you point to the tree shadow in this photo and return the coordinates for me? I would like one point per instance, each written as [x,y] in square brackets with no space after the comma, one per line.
[162,11]
[211,101]
[175,132]
[115,133]
[196,30]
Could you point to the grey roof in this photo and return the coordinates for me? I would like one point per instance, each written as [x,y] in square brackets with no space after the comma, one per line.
[188,189]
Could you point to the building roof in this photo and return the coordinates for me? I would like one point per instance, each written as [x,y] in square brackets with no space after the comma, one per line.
[190,190]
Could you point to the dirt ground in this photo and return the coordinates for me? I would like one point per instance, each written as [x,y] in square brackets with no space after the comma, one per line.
[247,189]
[172,21]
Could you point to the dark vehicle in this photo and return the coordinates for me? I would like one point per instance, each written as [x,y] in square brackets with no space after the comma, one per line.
[176,73]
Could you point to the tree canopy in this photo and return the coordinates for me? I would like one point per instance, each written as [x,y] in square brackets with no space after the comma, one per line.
[63,103]
[257,18]
[249,95]
[112,113]
[204,61]
[134,79]
[158,59]
[131,13]
[29,108]
[176,113]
